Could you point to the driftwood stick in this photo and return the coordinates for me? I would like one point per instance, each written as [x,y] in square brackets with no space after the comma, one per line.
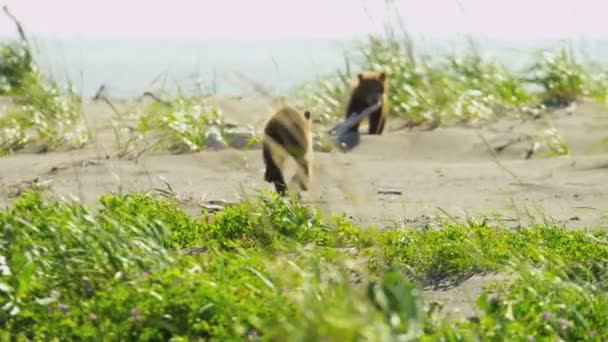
[341,128]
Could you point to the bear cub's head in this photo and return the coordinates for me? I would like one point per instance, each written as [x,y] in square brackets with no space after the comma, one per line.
[371,86]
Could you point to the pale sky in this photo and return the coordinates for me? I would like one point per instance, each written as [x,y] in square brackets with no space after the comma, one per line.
[309,19]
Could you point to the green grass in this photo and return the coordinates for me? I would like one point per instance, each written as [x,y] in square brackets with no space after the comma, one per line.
[268,268]
[15,64]
[461,89]
[448,89]
[178,125]
[561,76]
[437,90]
[424,89]
[565,79]
[40,113]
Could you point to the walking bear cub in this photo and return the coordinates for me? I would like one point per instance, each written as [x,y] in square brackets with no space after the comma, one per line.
[370,88]
[288,134]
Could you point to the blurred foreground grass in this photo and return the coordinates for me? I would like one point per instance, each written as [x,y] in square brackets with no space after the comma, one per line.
[142,269]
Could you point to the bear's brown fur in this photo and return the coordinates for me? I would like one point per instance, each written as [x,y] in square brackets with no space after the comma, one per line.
[288,133]
[369,89]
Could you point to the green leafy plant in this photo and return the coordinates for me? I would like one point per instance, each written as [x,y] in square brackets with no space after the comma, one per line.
[272,267]
[544,304]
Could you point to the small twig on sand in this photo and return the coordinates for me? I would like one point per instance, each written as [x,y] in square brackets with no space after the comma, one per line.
[513,141]
[453,218]
[584,207]
[408,125]
[211,208]
[389,192]
[156,98]
[497,161]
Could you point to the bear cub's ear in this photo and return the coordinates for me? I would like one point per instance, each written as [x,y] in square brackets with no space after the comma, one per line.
[382,76]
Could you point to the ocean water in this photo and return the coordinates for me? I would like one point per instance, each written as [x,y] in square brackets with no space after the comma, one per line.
[129,67]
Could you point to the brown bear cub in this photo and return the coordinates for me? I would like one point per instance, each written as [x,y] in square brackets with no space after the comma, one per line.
[370,88]
[288,133]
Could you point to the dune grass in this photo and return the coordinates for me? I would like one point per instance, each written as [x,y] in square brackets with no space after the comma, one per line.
[142,269]
[41,115]
[448,89]
[465,89]
[566,80]
[180,124]
[443,90]
[16,63]
[438,90]
[184,123]
[40,112]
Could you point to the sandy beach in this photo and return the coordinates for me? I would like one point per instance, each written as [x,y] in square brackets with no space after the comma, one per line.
[401,178]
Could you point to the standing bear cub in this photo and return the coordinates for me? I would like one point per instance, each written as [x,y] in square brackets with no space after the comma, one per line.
[370,88]
[288,134]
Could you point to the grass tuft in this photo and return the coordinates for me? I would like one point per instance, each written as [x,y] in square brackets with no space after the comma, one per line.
[140,268]
[39,112]
[43,116]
